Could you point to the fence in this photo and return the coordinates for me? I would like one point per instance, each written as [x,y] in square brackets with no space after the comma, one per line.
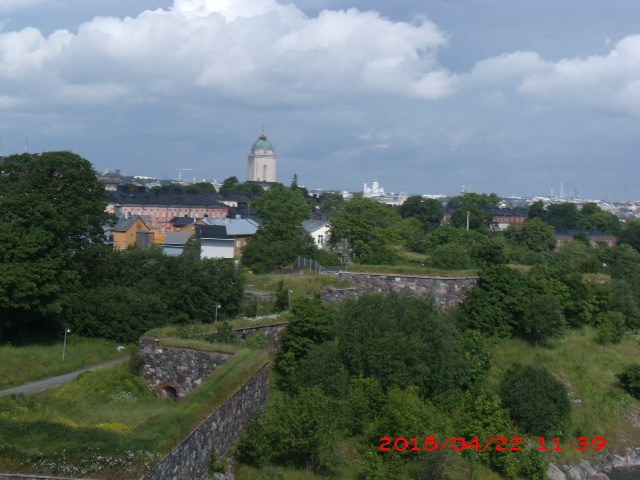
[313,266]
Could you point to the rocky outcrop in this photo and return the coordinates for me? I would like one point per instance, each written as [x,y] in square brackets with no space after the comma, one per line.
[596,469]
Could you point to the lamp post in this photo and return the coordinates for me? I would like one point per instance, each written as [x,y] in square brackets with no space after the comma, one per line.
[217,307]
[290,292]
[64,345]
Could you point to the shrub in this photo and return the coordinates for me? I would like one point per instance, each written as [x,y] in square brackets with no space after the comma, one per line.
[536,400]
[629,379]
[611,327]
[451,256]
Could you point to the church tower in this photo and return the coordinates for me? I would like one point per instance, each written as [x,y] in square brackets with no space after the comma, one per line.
[261,161]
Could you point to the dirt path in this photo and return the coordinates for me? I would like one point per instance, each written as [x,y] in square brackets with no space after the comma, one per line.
[53,382]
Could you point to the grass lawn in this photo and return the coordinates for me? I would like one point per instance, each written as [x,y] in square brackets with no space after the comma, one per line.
[21,364]
[107,424]
[410,270]
[599,406]
[302,284]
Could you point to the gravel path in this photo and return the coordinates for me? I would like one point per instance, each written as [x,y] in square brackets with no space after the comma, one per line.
[53,382]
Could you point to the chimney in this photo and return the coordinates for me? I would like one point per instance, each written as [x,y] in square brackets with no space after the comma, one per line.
[117,209]
[127,215]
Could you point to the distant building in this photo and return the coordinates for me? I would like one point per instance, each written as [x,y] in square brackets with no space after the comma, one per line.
[261,161]
[163,207]
[376,192]
[128,231]
[320,230]
[238,229]
[214,242]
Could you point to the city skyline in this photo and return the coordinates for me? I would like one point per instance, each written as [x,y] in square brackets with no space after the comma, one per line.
[423,98]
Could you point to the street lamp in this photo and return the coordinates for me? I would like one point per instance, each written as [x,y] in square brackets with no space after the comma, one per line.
[217,307]
[64,345]
[290,292]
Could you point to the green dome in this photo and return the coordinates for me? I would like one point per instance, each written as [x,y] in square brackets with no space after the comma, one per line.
[262,143]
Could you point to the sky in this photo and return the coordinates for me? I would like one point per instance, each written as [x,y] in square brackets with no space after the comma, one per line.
[425,97]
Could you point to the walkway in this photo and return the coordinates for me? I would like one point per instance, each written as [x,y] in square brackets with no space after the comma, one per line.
[53,382]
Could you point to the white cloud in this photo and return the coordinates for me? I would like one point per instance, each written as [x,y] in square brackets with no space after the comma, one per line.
[609,81]
[258,52]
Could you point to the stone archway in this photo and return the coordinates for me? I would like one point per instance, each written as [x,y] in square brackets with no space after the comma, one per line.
[168,390]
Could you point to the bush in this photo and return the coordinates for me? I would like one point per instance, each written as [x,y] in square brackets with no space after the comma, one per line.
[451,256]
[629,379]
[611,327]
[536,400]
[542,319]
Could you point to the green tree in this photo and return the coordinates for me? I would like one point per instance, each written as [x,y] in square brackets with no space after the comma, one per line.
[537,210]
[536,400]
[611,327]
[283,208]
[400,340]
[451,256]
[282,237]
[296,431]
[483,416]
[330,201]
[232,185]
[479,199]
[311,324]
[120,313]
[629,379]
[631,234]
[563,216]
[321,367]
[371,228]
[282,298]
[542,319]
[535,234]
[51,212]
[495,306]
[601,221]
[428,211]
[478,219]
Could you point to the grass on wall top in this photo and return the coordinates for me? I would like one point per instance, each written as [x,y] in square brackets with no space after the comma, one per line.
[107,424]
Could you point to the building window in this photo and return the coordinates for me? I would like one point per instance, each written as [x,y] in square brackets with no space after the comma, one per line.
[320,239]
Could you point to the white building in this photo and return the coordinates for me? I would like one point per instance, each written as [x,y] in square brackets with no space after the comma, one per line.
[261,161]
[320,230]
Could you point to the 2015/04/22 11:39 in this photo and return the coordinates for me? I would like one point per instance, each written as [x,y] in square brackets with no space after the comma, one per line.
[459,444]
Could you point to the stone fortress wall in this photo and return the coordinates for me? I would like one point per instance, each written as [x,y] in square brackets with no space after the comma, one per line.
[447,291]
[176,369]
[190,458]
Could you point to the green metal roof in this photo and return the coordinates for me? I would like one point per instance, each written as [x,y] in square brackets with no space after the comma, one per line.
[262,143]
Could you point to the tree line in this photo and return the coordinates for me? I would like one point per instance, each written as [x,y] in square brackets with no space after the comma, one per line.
[56,269]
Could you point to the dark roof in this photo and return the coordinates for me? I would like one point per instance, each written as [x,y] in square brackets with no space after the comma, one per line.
[123,224]
[176,238]
[588,233]
[211,231]
[183,221]
[166,199]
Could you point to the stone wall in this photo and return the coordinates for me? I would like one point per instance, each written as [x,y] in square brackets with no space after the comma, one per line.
[272,332]
[17,476]
[176,369]
[190,459]
[448,291]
